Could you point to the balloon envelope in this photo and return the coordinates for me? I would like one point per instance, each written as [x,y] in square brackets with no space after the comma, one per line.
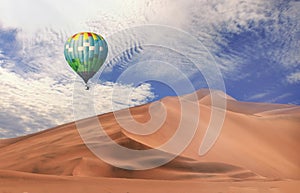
[86,52]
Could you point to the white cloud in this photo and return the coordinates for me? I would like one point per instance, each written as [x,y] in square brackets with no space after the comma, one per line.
[203,19]
[29,105]
[113,96]
[258,96]
[293,78]
[37,75]
[278,20]
[280,97]
[31,15]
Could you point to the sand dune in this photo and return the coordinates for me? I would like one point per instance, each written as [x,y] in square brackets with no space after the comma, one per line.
[257,151]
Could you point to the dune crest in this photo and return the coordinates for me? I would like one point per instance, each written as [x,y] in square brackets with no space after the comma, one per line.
[258,142]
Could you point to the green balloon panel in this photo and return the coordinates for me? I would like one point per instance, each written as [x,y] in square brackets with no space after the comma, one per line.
[86,52]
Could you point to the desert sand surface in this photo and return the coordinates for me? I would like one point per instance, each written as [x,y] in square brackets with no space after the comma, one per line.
[257,151]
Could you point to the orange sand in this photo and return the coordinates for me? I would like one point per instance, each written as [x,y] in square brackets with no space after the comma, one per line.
[257,151]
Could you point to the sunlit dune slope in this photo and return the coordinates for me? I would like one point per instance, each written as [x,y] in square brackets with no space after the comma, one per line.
[257,142]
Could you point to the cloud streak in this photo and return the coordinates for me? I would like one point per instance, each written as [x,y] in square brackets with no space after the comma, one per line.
[294,78]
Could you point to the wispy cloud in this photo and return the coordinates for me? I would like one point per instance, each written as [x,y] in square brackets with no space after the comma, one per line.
[32,104]
[249,39]
[250,33]
[278,98]
[37,85]
[258,96]
[218,24]
[293,78]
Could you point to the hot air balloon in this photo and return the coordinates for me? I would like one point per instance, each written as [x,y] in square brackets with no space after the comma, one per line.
[86,52]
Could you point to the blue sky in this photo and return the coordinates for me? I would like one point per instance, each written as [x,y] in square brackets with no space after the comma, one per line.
[255,44]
